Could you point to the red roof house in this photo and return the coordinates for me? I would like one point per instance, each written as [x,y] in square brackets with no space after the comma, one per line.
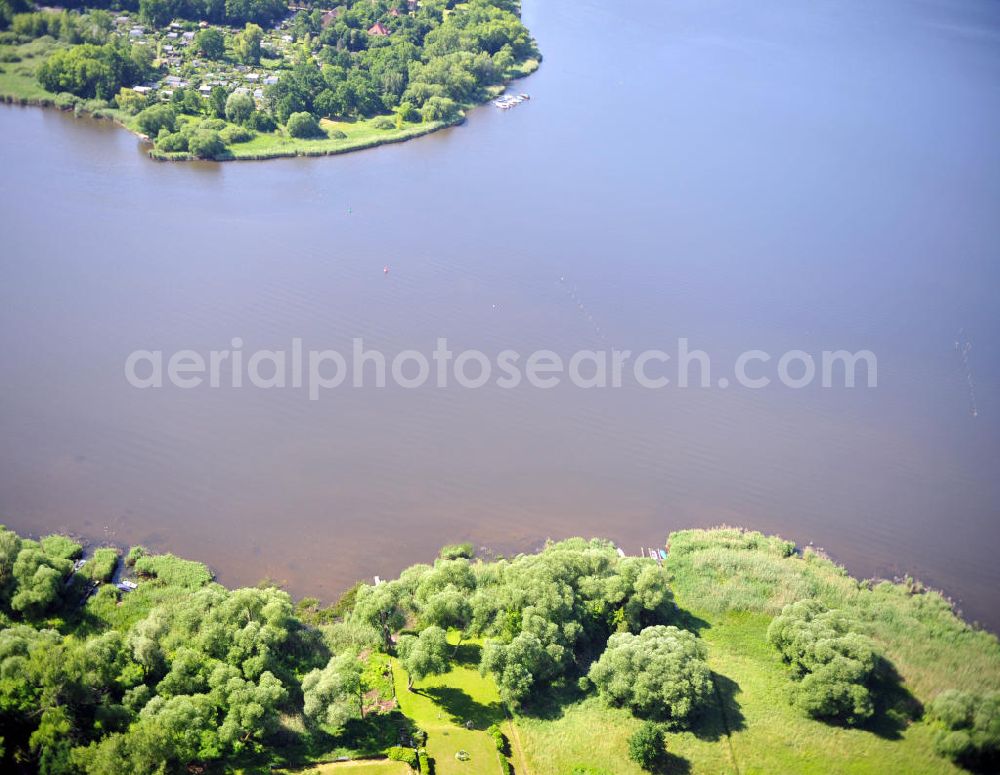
[378,29]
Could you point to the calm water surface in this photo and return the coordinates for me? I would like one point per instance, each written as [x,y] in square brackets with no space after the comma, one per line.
[771,175]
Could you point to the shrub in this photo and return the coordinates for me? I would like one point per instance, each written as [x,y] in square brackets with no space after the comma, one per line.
[457,551]
[646,746]
[130,101]
[172,142]
[969,728]
[262,122]
[661,672]
[156,117]
[426,764]
[499,739]
[303,125]
[399,753]
[835,663]
[236,134]
[206,144]
[383,122]
[66,101]
[337,134]
[439,109]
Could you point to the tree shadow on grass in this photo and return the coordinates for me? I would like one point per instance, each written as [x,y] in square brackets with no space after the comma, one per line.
[468,655]
[550,704]
[671,764]
[895,706]
[688,621]
[725,715]
[462,708]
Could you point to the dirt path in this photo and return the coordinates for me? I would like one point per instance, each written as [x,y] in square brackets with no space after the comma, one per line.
[520,763]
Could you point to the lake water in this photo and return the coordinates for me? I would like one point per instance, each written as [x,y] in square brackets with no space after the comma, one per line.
[773,175]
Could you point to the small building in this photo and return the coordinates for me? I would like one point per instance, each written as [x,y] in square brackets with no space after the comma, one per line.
[142,89]
[378,30]
[270,80]
[188,36]
[394,13]
[330,17]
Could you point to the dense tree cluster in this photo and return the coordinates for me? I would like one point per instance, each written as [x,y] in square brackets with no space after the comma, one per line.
[233,12]
[834,662]
[428,66]
[542,614]
[200,677]
[970,728]
[90,70]
[93,27]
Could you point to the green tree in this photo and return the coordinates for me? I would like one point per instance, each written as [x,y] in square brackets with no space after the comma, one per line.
[517,665]
[156,117]
[10,545]
[661,673]
[130,101]
[217,99]
[835,663]
[39,579]
[247,44]
[968,728]
[211,43]
[240,108]
[647,747]
[303,125]
[158,13]
[438,108]
[206,144]
[424,654]
[333,695]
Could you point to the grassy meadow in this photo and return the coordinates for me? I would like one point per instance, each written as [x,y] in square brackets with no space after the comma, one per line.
[728,585]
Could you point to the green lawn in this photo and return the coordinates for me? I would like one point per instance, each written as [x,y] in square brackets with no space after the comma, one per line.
[441,706]
[765,733]
[17,79]
[360,134]
[360,767]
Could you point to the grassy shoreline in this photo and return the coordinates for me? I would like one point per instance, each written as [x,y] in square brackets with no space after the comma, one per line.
[725,585]
[19,86]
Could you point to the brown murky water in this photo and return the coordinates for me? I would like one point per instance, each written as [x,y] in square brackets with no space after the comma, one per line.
[773,176]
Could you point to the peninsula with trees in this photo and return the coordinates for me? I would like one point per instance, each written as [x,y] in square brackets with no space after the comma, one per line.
[257,79]
[736,653]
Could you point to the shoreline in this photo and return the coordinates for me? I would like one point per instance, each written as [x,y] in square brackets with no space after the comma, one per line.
[287,147]
[489,554]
